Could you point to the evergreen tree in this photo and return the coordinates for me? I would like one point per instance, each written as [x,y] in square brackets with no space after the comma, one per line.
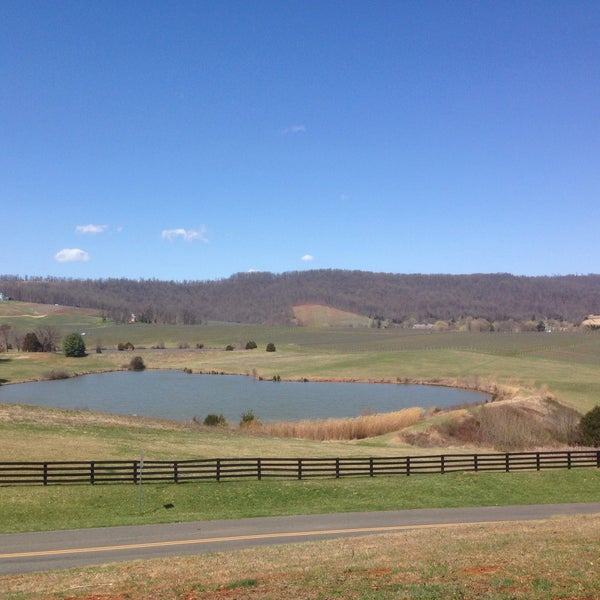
[589,428]
[73,345]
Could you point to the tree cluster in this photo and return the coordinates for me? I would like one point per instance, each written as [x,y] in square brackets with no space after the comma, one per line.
[269,298]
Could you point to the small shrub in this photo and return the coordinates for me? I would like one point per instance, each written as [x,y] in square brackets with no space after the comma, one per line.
[136,364]
[271,347]
[229,347]
[199,346]
[251,345]
[98,349]
[183,345]
[125,346]
[55,374]
[249,420]
[213,420]
[31,343]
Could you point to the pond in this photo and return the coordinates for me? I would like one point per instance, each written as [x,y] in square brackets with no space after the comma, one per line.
[182,396]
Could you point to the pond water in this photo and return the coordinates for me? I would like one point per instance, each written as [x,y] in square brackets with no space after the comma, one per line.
[181,396]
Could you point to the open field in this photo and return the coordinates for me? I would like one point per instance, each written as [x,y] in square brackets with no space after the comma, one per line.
[559,560]
[38,508]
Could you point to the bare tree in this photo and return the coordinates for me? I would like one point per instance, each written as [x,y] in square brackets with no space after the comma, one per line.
[4,331]
[18,338]
[49,337]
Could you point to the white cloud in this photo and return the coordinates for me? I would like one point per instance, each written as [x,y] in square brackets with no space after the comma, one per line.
[91,229]
[71,255]
[308,257]
[294,129]
[189,235]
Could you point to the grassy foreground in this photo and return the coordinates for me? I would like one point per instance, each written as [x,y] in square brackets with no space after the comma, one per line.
[63,507]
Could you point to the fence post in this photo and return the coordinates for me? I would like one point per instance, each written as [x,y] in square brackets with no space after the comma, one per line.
[135,471]
[568,459]
[92,473]
[538,465]
[598,459]
[259,468]
[299,468]
[218,473]
[337,468]
[507,462]
[442,464]
[475,462]
[45,474]
[407,466]
[176,472]
[371,466]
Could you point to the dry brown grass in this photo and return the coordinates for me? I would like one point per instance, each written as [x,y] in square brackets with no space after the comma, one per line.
[356,428]
[317,315]
[521,423]
[540,560]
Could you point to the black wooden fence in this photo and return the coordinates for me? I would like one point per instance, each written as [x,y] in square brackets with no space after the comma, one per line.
[218,469]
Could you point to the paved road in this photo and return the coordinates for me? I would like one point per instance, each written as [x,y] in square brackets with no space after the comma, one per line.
[26,552]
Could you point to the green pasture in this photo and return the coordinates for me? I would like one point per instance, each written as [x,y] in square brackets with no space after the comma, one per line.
[34,508]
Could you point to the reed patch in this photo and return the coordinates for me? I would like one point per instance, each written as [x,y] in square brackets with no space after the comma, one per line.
[349,428]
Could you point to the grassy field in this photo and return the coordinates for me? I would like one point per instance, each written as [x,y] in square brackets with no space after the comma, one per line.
[31,508]
[545,561]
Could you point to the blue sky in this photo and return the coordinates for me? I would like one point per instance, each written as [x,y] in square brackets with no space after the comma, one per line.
[193,140]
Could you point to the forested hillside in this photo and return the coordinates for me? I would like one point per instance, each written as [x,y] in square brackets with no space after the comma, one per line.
[268,298]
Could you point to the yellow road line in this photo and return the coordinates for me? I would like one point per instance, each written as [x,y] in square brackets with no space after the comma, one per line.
[235,538]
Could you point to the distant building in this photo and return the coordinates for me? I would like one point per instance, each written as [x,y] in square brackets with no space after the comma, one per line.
[423,326]
[593,322]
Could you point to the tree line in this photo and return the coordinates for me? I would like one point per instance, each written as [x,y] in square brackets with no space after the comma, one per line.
[268,298]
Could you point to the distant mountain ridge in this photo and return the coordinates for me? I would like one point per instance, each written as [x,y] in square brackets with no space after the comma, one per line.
[270,298]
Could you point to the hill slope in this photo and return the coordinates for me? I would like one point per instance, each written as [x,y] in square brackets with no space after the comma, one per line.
[269,298]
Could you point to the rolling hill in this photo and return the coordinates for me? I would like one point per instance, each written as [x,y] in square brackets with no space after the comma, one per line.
[271,298]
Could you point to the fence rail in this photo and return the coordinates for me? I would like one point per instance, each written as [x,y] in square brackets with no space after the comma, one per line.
[218,469]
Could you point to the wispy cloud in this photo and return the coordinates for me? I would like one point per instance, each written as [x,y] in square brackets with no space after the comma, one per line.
[188,235]
[294,129]
[307,257]
[67,255]
[90,229]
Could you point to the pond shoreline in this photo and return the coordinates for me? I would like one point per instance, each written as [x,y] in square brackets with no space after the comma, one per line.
[178,395]
[490,387]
